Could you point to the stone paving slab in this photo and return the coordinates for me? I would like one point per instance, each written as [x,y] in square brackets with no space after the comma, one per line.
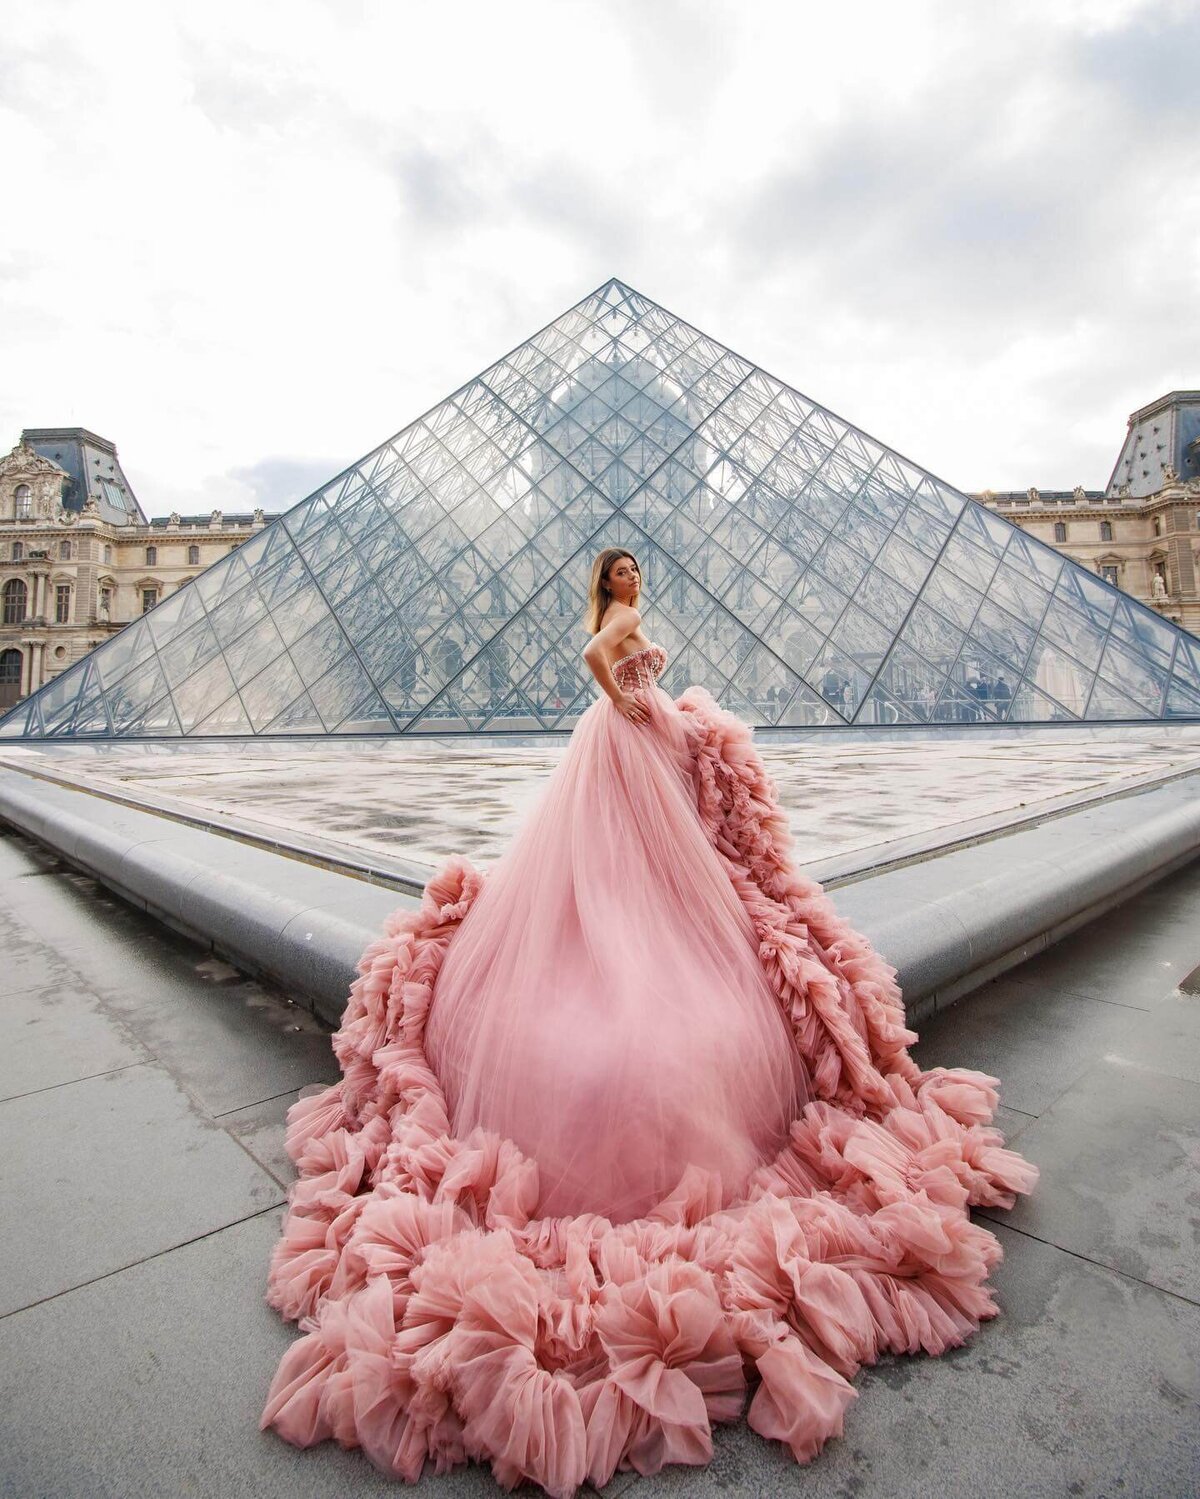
[149,1384]
[100,1173]
[209,1034]
[1037,1038]
[1119,1153]
[57,1035]
[260,1129]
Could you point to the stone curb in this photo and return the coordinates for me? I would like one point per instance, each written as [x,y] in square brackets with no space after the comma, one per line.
[947,923]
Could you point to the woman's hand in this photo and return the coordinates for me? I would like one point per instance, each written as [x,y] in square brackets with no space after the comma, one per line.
[631,707]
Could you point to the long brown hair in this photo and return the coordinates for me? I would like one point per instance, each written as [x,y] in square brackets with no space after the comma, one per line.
[599,593]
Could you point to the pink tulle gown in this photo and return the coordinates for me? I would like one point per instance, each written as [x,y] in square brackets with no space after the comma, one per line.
[627,1128]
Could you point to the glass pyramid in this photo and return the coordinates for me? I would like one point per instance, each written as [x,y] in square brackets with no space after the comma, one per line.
[802,572]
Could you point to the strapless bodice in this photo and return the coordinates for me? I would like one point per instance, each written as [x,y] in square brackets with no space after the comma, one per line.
[640,668]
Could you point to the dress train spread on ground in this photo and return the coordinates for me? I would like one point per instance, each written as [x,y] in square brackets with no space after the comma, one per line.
[627,1127]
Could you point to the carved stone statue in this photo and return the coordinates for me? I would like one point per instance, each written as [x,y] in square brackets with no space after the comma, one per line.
[1079,494]
[1034,496]
[1170,474]
[1158,587]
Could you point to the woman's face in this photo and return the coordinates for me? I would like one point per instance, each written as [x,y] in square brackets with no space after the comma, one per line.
[624,579]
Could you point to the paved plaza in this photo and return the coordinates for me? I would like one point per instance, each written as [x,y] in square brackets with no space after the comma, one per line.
[852,799]
[144,1085]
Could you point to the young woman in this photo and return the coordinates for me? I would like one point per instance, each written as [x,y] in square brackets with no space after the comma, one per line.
[626,1127]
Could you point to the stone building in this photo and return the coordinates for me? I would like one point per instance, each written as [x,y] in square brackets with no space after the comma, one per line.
[1141,532]
[78,556]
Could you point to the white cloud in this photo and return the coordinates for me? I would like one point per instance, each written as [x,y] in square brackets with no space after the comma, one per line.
[249,241]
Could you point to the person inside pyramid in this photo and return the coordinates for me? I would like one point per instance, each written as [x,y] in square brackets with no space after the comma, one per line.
[628,1130]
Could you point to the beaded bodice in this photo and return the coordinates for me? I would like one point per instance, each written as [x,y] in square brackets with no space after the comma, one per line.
[640,668]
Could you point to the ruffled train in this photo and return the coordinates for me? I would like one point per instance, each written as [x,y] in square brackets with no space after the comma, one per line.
[444,1321]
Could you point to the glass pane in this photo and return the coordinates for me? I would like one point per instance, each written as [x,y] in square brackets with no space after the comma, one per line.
[911,682]
[947,595]
[1144,631]
[884,598]
[1107,702]
[1130,672]
[1058,676]
[1073,632]
[124,653]
[904,563]
[254,650]
[839,680]
[1003,635]
[1031,706]
[299,717]
[201,692]
[1182,702]
[932,637]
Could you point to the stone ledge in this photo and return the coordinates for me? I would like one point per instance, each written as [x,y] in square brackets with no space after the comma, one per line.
[947,922]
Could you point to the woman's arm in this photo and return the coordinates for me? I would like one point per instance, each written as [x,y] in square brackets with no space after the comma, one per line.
[623,620]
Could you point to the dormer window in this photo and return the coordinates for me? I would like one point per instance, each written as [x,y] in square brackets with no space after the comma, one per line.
[23,496]
[151,556]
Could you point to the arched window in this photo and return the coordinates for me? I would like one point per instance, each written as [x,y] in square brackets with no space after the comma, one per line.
[18,551]
[24,498]
[10,678]
[193,555]
[16,601]
[1106,530]
[1060,530]
[151,556]
[64,551]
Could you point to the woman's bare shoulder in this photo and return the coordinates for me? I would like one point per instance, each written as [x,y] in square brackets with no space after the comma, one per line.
[620,613]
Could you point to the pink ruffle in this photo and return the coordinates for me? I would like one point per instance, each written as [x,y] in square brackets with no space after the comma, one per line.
[444,1321]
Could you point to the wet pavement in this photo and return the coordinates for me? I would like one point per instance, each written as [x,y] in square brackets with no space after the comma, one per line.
[424,799]
[143,1085]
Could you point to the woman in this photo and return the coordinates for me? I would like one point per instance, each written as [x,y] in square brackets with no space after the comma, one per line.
[625,1127]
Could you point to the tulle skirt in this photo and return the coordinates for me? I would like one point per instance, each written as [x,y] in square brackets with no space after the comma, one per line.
[603,1004]
[627,1129]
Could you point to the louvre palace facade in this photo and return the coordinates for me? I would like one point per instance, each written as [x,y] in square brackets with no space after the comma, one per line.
[78,557]
[802,571]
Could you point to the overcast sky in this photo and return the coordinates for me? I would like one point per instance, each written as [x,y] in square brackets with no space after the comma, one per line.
[248,242]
